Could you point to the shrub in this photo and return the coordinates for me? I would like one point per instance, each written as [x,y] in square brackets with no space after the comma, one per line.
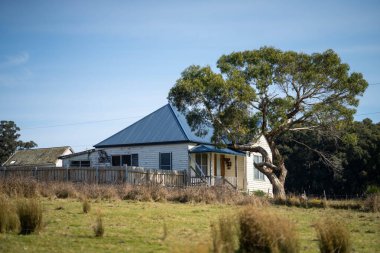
[86,206]
[265,232]
[29,213]
[225,235]
[158,192]
[139,193]
[333,236]
[372,189]
[64,190]
[259,193]
[8,218]
[372,203]
[99,227]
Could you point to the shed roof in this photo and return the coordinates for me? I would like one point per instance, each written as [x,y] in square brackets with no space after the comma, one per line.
[34,157]
[165,125]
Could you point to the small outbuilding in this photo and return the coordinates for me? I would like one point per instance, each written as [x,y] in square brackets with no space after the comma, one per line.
[41,157]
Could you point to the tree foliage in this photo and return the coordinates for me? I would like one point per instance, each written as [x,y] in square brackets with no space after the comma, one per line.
[353,165]
[268,92]
[9,140]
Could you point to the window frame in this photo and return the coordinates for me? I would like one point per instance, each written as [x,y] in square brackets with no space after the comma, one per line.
[257,175]
[132,159]
[161,166]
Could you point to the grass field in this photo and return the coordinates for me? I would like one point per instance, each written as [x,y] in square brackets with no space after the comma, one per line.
[167,227]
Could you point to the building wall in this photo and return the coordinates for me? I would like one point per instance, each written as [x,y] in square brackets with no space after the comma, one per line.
[148,155]
[59,162]
[254,184]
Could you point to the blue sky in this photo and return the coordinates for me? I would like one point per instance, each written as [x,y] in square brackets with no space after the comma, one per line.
[75,72]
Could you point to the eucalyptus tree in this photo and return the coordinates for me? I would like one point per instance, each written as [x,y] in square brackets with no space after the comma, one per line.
[9,140]
[268,92]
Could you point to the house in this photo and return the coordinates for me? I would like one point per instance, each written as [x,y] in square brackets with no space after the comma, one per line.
[164,140]
[41,157]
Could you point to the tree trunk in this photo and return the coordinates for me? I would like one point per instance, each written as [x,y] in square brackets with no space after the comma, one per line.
[274,169]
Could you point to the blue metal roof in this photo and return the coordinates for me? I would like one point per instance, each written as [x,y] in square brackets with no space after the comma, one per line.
[165,125]
[210,148]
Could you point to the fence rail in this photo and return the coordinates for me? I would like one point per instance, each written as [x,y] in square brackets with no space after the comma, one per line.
[101,175]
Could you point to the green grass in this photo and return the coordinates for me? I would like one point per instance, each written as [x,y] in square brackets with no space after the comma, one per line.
[139,227]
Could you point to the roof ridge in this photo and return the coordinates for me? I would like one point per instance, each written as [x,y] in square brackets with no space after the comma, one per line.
[178,122]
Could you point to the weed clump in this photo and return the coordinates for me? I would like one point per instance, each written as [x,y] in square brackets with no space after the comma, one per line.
[29,212]
[99,227]
[333,236]
[266,232]
[86,206]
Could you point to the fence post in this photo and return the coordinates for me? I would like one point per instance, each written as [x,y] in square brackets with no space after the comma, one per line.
[97,174]
[67,174]
[126,174]
[35,173]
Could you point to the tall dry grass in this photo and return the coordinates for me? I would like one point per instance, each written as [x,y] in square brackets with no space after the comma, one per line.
[26,187]
[225,235]
[262,231]
[8,217]
[333,236]
[29,212]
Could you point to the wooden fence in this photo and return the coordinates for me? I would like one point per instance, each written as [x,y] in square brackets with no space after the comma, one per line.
[103,175]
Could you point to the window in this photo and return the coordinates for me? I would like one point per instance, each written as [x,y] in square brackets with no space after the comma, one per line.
[165,161]
[116,160]
[202,161]
[129,160]
[80,163]
[258,175]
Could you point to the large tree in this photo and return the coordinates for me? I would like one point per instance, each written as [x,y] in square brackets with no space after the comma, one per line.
[9,140]
[268,92]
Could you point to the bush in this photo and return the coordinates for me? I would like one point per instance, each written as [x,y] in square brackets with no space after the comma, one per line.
[372,203]
[64,190]
[99,227]
[259,193]
[333,236]
[29,213]
[139,193]
[372,189]
[225,235]
[86,206]
[8,218]
[265,232]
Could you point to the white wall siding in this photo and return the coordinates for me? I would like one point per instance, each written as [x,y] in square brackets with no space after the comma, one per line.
[149,154]
[254,184]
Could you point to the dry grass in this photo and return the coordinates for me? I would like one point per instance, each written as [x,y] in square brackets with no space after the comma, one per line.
[333,236]
[8,217]
[262,231]
[19,187]
[25,187]
[372,203]
[29,212]
[225,235]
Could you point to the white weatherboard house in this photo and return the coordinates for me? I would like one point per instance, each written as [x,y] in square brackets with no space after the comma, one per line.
[164,140]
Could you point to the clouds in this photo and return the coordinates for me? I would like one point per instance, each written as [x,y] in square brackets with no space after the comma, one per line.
[15,60]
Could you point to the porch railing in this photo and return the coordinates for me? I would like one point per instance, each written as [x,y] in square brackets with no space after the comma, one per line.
[214,180]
